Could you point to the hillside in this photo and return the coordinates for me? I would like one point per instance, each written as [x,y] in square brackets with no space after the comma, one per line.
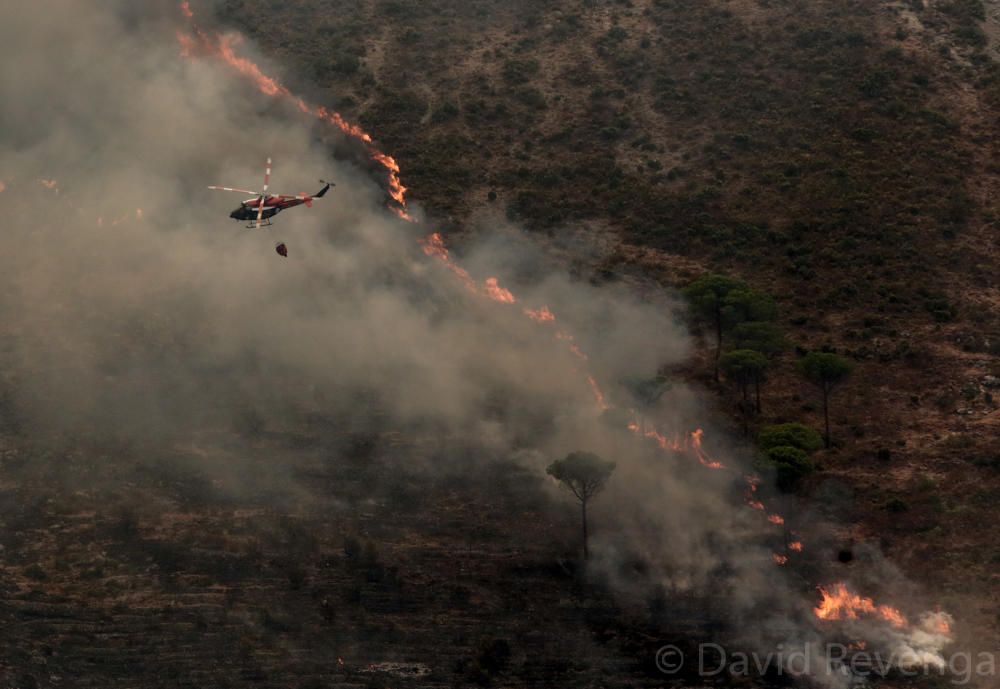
[839,155]
[223,468]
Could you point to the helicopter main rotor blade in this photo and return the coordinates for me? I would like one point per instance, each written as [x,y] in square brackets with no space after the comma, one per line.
[263,194]
[240,191]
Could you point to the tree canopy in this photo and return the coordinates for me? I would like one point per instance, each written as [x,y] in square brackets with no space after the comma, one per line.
[795,435]
[583,473]
[825,369]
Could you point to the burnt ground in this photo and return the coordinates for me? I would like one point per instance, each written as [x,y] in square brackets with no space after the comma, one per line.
[125,566]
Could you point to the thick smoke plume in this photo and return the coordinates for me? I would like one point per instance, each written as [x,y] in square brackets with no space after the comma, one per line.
[133,307]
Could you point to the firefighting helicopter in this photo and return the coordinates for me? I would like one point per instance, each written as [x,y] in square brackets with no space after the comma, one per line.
[264,205]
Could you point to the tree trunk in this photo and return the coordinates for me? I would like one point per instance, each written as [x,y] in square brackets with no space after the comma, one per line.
[586,552]
[718,339]
[756,384]
[826,415]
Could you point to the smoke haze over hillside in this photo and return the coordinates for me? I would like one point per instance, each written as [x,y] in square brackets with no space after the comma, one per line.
[132,306]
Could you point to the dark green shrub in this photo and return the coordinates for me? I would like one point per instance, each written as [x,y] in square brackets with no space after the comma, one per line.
[790,463]
[794,435]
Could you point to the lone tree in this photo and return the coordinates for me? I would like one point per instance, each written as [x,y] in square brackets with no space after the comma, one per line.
[585,475]
[825,371]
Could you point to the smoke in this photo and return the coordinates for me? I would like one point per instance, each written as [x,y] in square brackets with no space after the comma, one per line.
[133,307]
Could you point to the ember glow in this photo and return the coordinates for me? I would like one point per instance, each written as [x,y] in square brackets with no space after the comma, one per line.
[839,603]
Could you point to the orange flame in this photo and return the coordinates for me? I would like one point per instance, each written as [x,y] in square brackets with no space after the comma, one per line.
[434,246]
[795,546]
[50,184]
[779,559]
[840,604]
[495,292]
[937,623]
[776,519]
[3,187]
[186,9]
[705,460]
[598,395]
[542,315]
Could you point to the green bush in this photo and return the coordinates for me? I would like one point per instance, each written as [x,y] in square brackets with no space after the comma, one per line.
[795,435]
[791,465]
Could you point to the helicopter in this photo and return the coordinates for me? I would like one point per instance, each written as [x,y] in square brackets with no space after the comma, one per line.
[264,205]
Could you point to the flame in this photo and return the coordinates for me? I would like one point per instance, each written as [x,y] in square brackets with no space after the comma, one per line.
[3,187]
[779,559]
[542,315]
[705,460]
[50,184]
[495,292]
[269,86]
[839,604]
[577,352]
[937,623]
[776,519]
[795,546]
[434,247]
[664,443]
[186,9]
[598,395]
[138,214]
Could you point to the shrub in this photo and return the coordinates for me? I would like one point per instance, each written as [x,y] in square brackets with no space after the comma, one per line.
[791,465]
[795,435]
[520,71]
